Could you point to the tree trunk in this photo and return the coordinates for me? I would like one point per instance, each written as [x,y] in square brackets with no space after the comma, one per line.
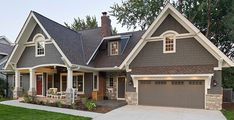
[180,5]
[208,18]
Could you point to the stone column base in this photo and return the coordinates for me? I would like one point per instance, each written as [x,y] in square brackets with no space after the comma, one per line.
[131,98]
[32,92]
[69,96]
[214,101]
[17,93]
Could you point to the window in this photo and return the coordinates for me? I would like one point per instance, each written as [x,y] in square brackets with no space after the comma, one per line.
[195,82]
[114,48]
[111,82]
[21,81]
[177,82]
[169,43]
[95,82]
[78,83]
[39,45]
[40,48]
[160,82]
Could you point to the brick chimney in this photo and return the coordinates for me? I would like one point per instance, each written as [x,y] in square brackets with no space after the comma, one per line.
[105,25]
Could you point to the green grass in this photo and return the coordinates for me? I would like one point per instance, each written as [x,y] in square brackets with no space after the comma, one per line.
[17,113]
[4,99]
[228,114]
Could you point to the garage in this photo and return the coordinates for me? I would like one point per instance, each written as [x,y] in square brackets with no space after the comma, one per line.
[174,93]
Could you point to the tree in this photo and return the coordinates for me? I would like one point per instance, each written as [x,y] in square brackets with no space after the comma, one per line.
[212,17]
[88,23]
[81,24]
[137,13]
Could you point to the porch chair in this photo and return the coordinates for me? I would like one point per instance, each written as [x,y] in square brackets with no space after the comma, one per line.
[49,92]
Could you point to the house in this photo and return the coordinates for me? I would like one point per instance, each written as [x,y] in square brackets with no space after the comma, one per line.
[5,49]
[170,64]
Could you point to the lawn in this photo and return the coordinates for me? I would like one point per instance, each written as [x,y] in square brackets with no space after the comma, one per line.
[4,99]
[17,113]
[228,114]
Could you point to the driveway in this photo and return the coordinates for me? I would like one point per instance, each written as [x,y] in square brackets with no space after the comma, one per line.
[130,112]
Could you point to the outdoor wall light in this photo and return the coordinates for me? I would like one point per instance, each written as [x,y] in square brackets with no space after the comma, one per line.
[214,83]
[130,82]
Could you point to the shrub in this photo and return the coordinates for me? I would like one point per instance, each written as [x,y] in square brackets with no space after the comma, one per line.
[90,105]
[3,87]
[29,99]
[58,104]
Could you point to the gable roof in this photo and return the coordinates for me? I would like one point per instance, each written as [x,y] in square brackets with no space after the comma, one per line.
[69,41]
[169,9]
[102,59]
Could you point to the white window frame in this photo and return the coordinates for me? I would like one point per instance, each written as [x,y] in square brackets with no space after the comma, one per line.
[74,74]
[113,42]
[36,44]
[97,87]
[174,42]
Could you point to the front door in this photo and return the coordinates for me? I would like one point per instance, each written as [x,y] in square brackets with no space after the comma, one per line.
[121,87]
[39,84]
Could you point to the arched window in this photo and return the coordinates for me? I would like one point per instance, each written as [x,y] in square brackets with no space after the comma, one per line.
[39,40]
[169,43]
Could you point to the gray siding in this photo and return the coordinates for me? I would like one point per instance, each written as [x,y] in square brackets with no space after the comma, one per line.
[28,58]
[36,30]
[170,23]
[216,89]
[25,82]
[88,83]
[188,52]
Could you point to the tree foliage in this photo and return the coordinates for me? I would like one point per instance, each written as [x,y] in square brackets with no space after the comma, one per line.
[137,13]
[214,18]
[82,24]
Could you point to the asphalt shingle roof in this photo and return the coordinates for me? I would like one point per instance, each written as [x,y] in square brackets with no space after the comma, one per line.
[78,46]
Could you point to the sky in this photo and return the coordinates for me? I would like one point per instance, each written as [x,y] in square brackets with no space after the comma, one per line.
[14,12]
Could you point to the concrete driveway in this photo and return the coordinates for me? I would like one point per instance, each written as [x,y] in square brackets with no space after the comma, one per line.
[130,112]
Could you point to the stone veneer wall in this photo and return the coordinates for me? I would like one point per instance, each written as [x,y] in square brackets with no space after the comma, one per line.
[131,98]
[214,101]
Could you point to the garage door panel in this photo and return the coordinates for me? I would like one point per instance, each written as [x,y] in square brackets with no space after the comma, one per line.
[181,94]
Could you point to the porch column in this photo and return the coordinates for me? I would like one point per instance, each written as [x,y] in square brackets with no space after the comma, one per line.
[32,83]
[17,91]
[69,85]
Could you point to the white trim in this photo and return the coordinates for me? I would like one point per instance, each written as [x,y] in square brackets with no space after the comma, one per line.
[61,81]
[47,78]
[3,61]
[36,44]
[61,52]
[111,47]
[30,16]
[117,88]
[105,38]
[205,77]
[169,9]
[174,42]
[41,83]
[74,74]
[96,74]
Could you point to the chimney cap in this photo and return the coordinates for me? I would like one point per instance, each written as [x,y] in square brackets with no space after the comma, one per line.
[104,13]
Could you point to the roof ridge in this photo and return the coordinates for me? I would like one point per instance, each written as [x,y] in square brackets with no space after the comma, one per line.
[55,22]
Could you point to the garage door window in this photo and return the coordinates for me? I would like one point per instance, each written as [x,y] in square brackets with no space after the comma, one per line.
[160,82]
[177,82]
[195,82]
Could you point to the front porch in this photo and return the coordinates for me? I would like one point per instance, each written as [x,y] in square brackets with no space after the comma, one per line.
[65,84]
